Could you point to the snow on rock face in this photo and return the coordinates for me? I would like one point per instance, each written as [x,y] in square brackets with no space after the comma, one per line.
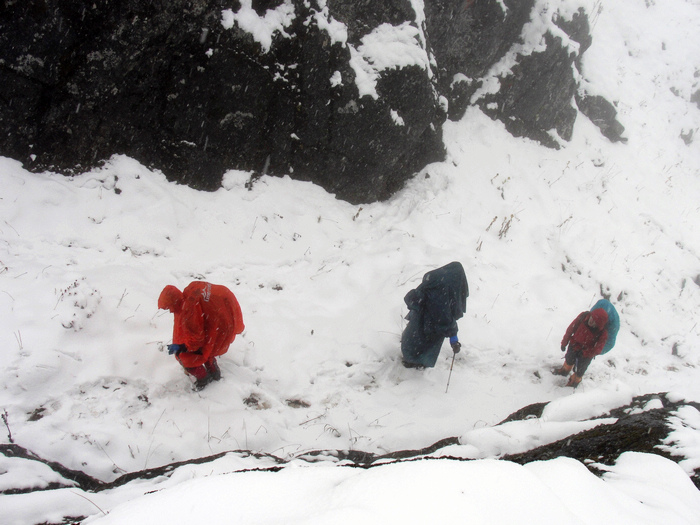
[262,28]
[387,47]
[291,87]
[276,87]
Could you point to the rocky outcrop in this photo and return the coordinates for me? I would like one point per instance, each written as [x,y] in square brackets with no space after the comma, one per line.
[516,61]
[350,94]
[637,428]
[645,425]
[603,114]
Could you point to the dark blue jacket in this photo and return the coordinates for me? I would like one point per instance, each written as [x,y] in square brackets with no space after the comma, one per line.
[433,310]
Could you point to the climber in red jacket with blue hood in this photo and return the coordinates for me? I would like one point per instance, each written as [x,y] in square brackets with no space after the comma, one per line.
[586,336]
[207,320]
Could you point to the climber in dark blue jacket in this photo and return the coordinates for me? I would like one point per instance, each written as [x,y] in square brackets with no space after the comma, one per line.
[433,310]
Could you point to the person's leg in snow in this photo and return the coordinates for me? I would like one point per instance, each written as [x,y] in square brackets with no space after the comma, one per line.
[564,370]
[408,364]
[201,376]
[569,361]
[574,380]
[213,368]
[580,368]
[575,361]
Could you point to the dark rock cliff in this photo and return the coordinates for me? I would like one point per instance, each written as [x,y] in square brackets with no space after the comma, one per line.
[350,94]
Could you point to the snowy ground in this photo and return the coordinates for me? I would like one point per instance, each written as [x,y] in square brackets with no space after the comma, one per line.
[541,233]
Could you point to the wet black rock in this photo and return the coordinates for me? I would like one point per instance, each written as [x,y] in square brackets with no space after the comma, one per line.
[176,86]
[603,114]
[638,427]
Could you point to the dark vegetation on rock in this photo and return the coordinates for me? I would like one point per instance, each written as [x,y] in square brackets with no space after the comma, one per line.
[166,83]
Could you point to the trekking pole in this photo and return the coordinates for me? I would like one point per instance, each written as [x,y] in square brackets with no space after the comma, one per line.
[450,376]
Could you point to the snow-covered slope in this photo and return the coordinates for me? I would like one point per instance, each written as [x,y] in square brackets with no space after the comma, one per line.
[541,234]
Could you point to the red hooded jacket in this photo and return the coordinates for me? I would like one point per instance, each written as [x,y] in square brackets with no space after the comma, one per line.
[207,320]
[582,337]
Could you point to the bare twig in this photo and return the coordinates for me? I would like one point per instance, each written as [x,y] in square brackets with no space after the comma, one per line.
[109,457]
[312,419]
[494,220]
[13,229]
[567,220]
[124,294]
[505,226]
[7,424]
[148,452]
[156,425]
[88,499]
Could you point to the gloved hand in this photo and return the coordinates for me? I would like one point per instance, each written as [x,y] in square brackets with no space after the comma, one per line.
[454,343]
[563,348]
[176,349]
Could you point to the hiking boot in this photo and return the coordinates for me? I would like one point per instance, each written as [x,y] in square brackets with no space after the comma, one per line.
[574,381]
[408,364]
[213,369]
[563,371]
[199,384]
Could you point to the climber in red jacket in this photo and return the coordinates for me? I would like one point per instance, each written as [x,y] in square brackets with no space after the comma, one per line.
[207,320]
[585,338]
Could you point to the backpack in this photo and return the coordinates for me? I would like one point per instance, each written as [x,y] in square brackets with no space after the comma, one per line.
[613,325]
